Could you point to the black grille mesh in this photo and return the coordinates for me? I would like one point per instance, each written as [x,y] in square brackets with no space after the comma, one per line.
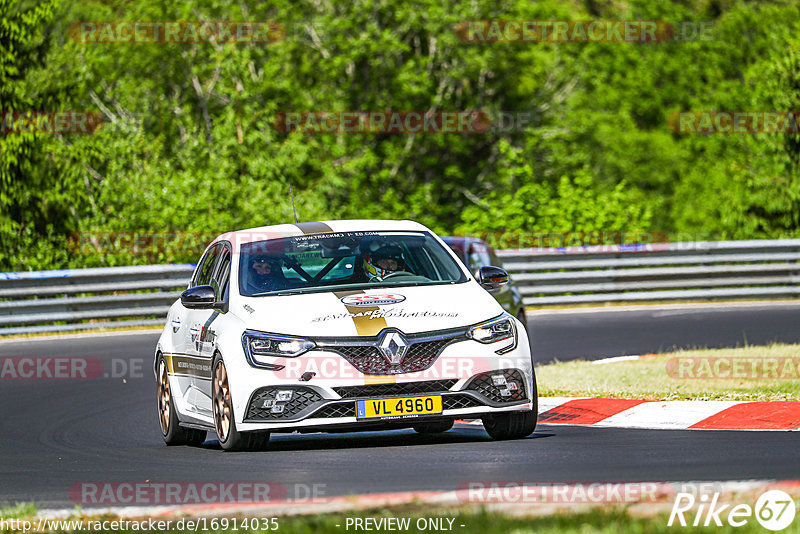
[483,384]
[421,356]
[370,361]
[454,402]
[408,388]
[302,398]
[342,409]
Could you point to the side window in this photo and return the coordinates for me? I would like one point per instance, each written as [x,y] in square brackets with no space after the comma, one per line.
[206,269]
[223,273]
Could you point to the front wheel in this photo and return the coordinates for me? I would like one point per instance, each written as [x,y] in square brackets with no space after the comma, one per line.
[229,438]
[171,430]
[513,425]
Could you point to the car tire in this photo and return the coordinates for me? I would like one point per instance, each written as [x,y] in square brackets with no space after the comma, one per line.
[230,439]
[513,425]
[171,431]
[433,428]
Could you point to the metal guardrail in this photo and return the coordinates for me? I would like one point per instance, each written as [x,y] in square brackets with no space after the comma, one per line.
[128,296]
[31,300]
[656,272]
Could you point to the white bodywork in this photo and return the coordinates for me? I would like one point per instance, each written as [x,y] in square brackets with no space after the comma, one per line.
[191,338]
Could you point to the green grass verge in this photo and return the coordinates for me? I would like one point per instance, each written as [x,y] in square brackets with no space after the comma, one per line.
[750,373]
[599,520]
[20,510]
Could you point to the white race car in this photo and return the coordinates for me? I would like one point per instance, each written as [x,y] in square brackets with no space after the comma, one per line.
[339,326]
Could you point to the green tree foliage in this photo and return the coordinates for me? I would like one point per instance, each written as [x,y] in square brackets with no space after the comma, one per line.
[189,145]
[33,211]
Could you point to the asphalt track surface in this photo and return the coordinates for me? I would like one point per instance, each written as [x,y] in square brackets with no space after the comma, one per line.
[58,433]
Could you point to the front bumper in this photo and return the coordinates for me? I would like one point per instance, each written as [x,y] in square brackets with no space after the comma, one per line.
[460,370]
[308,407]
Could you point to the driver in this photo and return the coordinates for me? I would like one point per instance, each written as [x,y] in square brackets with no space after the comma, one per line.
[265,274]
[384,261]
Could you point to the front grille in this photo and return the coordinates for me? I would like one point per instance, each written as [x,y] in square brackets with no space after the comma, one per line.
[421,356]
[484,385]
[454,402]
[369,360]
[342,409]
[366,359]
[407,388]
[302,398]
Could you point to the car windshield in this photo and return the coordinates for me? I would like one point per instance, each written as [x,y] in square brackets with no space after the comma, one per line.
[344,261]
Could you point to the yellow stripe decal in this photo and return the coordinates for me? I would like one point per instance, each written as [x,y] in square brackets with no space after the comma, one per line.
[314,228]
[367,327]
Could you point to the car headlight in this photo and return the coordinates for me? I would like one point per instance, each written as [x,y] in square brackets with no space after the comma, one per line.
[495,330]
[261,348]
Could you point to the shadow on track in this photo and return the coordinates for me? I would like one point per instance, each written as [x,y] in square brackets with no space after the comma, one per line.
[372,440]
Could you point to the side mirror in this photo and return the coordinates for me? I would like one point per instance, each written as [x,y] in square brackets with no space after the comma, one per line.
[491,277]
[199,298]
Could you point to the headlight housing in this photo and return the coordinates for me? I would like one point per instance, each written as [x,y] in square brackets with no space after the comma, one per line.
[495,330]
[261,348]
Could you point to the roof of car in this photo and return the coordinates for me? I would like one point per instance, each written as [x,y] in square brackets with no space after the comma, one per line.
[278,231]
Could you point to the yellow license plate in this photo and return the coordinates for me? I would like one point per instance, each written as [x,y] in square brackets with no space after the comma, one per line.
[398,407]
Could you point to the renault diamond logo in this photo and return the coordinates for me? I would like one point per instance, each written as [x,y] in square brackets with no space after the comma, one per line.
[394,347]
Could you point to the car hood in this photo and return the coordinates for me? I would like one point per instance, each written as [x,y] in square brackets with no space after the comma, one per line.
[367,312]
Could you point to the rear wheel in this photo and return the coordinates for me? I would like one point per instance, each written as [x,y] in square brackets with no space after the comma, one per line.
[230,439]
[513,425]
[171,430]
[434,428]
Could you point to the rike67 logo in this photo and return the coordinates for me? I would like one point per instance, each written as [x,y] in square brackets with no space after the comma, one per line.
[774,510]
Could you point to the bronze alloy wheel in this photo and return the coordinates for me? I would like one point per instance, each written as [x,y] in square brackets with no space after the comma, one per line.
[164,404]
[171,429]
[222,402]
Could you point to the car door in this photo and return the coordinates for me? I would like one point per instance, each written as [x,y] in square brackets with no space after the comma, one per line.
[179,316]
[190,364]
[181,361]
[207,325]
